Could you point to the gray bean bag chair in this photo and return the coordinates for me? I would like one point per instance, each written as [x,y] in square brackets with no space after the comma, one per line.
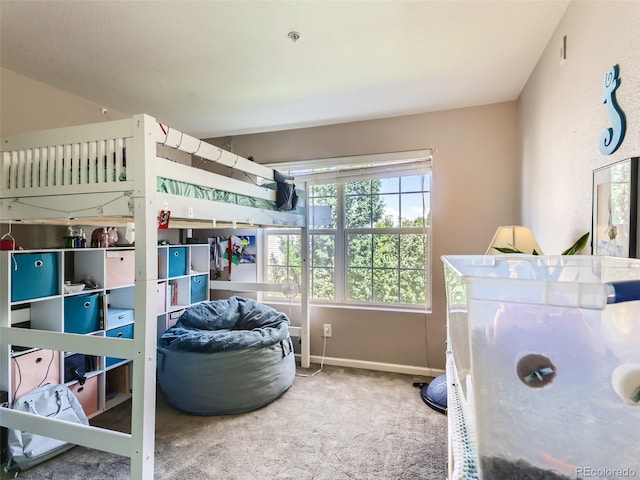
[226,356]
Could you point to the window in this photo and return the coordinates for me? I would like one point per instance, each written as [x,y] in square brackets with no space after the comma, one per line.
[368,237]
[283,255]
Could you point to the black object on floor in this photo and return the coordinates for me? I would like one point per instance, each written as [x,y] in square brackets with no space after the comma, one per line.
[434,393]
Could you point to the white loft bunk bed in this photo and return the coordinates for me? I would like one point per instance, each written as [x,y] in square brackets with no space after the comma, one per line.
[96,174]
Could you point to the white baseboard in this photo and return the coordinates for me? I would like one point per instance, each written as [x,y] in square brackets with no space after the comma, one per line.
[377,366]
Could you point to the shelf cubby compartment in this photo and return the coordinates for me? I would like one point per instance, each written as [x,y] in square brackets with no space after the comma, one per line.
[84,264]
[178,293]
[117,385]
[199,258]
[125,331]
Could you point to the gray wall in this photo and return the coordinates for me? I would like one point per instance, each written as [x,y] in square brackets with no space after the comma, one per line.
[475,189]
[561,117]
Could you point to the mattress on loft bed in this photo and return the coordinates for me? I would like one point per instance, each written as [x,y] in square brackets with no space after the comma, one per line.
[176,187]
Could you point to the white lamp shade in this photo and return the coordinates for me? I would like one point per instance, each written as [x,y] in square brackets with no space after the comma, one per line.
[514,236]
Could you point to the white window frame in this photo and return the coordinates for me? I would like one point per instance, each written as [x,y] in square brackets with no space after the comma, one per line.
[341,170]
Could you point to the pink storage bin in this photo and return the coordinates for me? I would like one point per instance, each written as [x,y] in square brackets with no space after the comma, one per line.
[120,268]
[32,369]
[87,394]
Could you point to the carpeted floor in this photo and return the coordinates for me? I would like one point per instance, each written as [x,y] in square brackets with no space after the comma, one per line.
[339,424]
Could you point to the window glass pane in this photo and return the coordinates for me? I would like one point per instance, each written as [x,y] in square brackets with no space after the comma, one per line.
[276,274]
[413,209]
[413,287]
[359,250]
[324,190]
[322,283]
[322,206]
[415,183]
[360,187]
[322,250]
[359,284]
[277,249]
[364,207]
[413,251]
[358,211]
[284,259]
[295,273]
[389,185]
[295,258]
[385,251]
[390,210]
[385,285]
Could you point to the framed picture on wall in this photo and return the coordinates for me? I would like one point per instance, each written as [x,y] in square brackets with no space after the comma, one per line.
[615,206]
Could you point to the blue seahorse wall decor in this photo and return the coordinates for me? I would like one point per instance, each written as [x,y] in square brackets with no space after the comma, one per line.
[612,137]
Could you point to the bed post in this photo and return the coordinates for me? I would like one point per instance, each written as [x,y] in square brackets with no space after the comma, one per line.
[305,352]
[143,413]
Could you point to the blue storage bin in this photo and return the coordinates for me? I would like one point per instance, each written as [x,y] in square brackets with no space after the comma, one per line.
[34,275]
[76,366]
[199,288]
[125,331]
[82,313]
[177,261]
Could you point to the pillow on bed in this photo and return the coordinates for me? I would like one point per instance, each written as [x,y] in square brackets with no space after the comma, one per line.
[286,196]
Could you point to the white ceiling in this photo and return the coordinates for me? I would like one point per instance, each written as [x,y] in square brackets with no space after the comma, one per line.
[214,68]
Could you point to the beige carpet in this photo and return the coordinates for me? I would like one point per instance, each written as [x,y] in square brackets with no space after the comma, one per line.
[340,424]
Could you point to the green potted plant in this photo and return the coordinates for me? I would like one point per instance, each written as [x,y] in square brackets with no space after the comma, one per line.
[577,247]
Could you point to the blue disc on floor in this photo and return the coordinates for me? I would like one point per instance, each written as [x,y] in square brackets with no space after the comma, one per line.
[434,394]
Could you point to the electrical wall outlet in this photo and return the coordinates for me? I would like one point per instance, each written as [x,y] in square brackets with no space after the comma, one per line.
[326,330]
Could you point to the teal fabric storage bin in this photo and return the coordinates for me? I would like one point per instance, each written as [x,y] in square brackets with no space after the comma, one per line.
[34,275]
[82,313]
[125,331]
[177,261]
[198,288]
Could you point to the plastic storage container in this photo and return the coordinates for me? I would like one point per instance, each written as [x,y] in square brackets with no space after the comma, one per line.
[546,364]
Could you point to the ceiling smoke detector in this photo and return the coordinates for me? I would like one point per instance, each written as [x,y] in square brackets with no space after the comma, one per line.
[294,36]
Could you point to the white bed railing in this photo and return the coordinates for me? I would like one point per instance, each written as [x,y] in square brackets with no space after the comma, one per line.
[41,162]
[84,163]
[181,141]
